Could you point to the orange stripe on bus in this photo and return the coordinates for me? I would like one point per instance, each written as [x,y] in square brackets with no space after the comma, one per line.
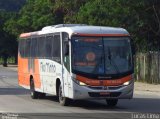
[97,82]
[37,80]
[83,34]
[20,73]
[24,73]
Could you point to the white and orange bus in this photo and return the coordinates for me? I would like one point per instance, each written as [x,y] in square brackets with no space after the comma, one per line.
[75,61]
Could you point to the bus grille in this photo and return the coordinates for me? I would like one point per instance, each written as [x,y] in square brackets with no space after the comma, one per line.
[97,94]
[102,87]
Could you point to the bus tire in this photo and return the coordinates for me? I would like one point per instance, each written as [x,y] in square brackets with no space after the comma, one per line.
[62,100]
[34,94]
[112,102]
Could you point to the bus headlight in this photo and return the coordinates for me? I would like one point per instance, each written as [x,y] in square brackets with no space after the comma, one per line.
[82,84]
[79,82]
[130,81]
[126,83]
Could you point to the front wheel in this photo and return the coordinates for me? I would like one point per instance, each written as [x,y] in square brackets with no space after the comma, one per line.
[62,100]
[112,102]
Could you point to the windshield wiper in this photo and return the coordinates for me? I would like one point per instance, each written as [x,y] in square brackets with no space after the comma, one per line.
[99,68]
[112,61]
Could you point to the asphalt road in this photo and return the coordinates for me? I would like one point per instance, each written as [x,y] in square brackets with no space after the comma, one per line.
[16,102]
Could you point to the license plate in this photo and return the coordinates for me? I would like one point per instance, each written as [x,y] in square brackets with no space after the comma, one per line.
[104,93]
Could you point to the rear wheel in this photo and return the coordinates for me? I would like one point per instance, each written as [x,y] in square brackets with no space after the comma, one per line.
[62,100]
[112,102]
[35,94]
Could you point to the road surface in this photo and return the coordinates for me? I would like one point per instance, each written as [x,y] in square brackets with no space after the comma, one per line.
[16,102]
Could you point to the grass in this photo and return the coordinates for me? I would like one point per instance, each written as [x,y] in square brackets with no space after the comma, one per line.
[10,60]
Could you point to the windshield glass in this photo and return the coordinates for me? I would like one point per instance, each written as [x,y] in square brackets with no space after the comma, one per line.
[101,55]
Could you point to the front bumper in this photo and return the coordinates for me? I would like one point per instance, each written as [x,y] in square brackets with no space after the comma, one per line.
[101,92]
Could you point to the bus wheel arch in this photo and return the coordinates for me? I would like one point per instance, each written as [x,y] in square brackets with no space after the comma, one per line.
[31,81]
[31,78]
[34,94]
[64,101]
[58,82]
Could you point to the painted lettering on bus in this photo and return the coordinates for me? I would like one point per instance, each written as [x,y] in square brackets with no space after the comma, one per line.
[47,67]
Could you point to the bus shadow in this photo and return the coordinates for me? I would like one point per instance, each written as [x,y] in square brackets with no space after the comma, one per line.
[13,91]
[52,98]
[151,105]
[140,105]
[91,104]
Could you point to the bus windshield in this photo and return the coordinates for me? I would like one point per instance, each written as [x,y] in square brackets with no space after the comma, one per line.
[101,55]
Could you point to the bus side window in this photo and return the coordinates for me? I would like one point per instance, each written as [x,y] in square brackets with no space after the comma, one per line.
[56,48]
[34,47]
[21,47]
[41,47]
[48,46]
[38,46]
[24,47]
[66,58]
[27,47]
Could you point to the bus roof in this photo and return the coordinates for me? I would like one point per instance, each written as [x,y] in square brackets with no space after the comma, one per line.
[79,29]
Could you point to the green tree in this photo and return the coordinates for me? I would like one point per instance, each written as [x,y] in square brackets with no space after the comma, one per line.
[140,18]
[8,44]
[33,16]
[64,10]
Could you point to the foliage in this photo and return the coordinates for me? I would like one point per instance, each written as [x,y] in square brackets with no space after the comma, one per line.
[64,10]
[8,43]
[140,18]
[33,16]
